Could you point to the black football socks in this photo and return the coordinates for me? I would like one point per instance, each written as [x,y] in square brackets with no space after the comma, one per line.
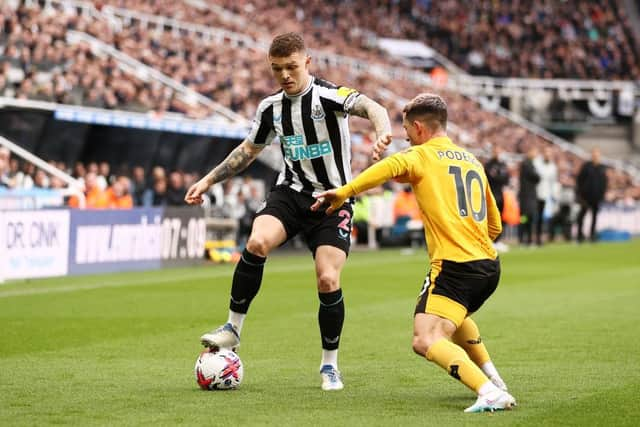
[246,281]
[331,318]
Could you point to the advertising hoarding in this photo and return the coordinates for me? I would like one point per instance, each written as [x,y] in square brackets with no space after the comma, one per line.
[34,243]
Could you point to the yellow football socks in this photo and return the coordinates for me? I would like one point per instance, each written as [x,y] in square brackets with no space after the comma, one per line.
[456,362]
[467,336]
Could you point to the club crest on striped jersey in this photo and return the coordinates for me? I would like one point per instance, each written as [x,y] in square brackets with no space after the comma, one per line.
[317,113]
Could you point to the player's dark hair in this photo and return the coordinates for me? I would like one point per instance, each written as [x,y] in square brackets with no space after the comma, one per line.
[286,44]
[429,109]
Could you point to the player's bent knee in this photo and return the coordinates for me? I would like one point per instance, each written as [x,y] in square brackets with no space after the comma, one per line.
[420,345]
[423,342]
[258,246]
[327,283]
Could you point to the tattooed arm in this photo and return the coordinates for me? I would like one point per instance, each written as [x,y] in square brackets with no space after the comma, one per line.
[369,109]
[235,162]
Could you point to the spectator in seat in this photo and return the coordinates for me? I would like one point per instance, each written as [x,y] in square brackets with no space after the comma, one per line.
[118,194]
[79,171]
[28,170]
[104,170]
[40,179]
[101,181]
[95,197]
[16,176]
[176,190]
[158,194]
[5,155]
[56,183]
[138,185]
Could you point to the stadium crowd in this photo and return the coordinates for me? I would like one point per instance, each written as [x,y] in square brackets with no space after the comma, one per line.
[38,63]
[121,189]
[539,39]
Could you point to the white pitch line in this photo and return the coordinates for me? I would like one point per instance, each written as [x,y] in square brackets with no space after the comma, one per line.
[196,274]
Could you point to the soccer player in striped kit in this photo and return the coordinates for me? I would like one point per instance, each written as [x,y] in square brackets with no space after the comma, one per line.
[309,116]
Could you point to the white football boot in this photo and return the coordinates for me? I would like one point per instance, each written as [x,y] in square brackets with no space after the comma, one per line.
[496,400]
[331,378]
[225,336]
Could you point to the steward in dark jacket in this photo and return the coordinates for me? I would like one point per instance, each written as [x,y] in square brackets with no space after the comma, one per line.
[591,186]
[528,197]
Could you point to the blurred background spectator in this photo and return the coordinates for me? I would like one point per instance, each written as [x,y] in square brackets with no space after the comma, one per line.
[527,197]
[545,190]
[498,177]
[591,186]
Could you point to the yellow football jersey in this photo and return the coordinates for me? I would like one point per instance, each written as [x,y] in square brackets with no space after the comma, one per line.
[459,212]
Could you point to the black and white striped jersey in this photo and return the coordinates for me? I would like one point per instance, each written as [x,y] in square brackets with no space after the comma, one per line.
[313,131]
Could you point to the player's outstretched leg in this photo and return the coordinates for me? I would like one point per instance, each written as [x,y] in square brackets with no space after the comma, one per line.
[467,336]
[331,319]
[246,283]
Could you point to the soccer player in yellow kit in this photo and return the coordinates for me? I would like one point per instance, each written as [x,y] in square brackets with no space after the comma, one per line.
[460,221]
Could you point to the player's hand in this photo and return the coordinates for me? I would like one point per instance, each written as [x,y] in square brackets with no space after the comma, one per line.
[195,192]
[330,198]
[380,146]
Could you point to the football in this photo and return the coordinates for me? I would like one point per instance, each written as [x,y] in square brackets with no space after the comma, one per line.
[220,370]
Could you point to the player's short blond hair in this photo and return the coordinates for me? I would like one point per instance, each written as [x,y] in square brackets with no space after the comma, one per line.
[428,108]
[286,44]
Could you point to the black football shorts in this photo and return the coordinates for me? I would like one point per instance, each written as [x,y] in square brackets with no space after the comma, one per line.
[293,210]
[458,288]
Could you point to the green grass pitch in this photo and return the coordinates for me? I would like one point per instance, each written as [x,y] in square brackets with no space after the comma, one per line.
[563,328]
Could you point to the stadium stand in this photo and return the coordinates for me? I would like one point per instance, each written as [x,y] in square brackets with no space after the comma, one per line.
[540,39]
[38,63]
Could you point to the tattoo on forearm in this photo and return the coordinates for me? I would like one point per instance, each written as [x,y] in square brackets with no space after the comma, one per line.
[235,162]
[366,108]
[360,107]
